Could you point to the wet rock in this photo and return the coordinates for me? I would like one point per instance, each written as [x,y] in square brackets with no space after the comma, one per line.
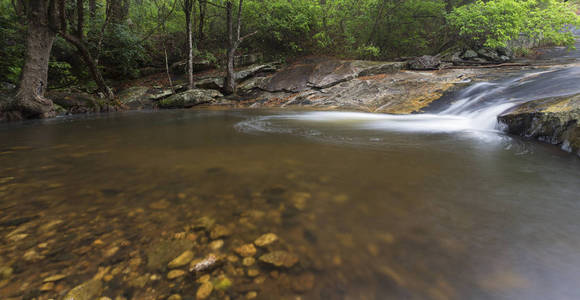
[246,250]
[173,274]
[190,98]
[136,97]
[248,261]
[303,283]
[223,283]
[489,54]
[505,51]
[204,290]
[253,272]
[323,73]
[551,120]
[219,231]
[74,102]
[253,70]
[49,286]
[205,264]
[88,290]
[204,223]
[54,278]
[469,54]
[162,252]
[174,297]
[182,260]
[266,239]
[279,259]
[5,272]
[425,62]
[216,245]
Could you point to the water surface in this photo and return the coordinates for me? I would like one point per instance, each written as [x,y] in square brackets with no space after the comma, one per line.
[373,207]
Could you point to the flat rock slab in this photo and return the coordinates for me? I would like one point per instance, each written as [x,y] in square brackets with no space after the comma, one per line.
[324,74]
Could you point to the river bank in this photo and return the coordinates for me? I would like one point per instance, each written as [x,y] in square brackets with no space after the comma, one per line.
[379,87]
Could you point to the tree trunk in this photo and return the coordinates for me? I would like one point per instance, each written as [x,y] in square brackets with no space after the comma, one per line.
[88,58]
[30,101]
[189,47]
[202,10]
[230,81]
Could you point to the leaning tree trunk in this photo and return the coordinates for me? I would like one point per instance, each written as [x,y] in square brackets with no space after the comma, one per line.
[230,81]
[30,101]
[91,64]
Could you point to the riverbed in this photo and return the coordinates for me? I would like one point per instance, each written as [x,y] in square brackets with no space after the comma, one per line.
[362,207]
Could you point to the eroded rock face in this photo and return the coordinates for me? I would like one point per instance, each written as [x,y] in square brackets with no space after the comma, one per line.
[320,74]
[425,62]
[401,92]
[552,120]
[79,102]
[190,98]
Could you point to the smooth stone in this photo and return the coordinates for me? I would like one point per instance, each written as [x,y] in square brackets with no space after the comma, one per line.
[175,274]
[279,259]
[200,265]
[223,283]
[204,278]
[174,297]
[182,260]
[253,272]
[216,245]
[246,250]
[204,290]
[162,252]
[219,231]
[266,240]
[248,261]
[54,278]
[86,291]
[47,287]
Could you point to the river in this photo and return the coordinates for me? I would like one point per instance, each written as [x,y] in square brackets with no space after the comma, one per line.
[434,206]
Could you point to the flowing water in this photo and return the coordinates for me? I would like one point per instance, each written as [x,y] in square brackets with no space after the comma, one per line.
[432,206]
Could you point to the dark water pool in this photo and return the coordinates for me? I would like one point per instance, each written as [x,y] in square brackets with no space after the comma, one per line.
[367,212]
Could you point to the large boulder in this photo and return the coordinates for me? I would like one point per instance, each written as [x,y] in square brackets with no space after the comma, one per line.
[136,97]
[254,70]
[324,73]
[469,54]
[551,120]
[77,102]
[489,54]
[425,62]
[190,98]
[199,65]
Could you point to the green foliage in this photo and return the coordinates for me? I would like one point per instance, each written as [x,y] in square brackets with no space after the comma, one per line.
[123,52]
[494,23]
[12,44]
[60,74]
[368,52]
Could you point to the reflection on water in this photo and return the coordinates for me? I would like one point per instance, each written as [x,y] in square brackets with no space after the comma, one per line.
[367,210]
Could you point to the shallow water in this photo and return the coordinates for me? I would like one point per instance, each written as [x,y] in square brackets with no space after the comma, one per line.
[372,212]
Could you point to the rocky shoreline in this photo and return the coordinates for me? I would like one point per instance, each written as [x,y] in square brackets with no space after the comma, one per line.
[329,84]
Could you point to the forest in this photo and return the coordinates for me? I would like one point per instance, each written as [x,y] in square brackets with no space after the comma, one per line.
[289,149]
[95,44]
